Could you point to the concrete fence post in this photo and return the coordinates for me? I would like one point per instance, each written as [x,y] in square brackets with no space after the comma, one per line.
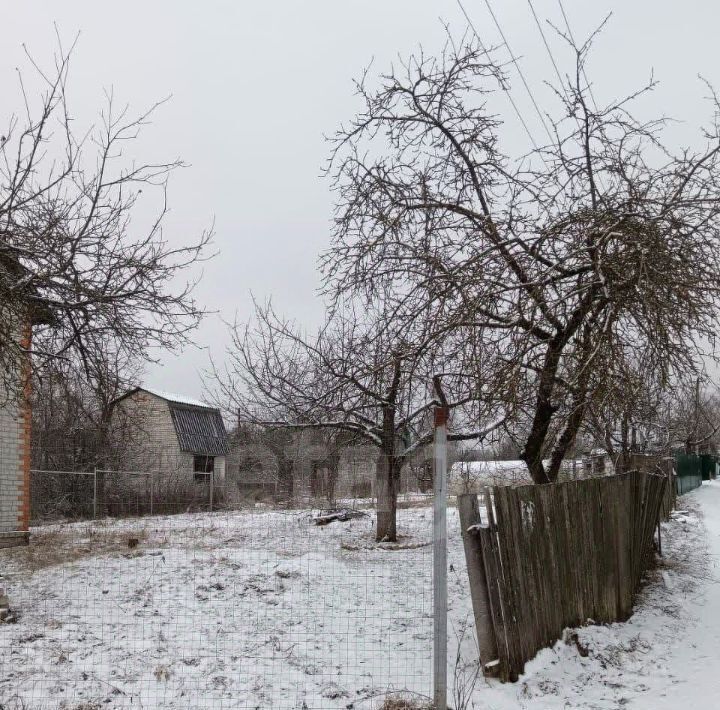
[440,607]
[469,512]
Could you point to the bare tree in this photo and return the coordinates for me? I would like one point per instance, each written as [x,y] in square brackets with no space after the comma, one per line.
[71,415]
[688,415]
[359,375]
[86,391]
[71,241]
[557,264]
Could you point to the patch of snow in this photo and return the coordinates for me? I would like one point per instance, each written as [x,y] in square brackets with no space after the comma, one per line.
[178,398]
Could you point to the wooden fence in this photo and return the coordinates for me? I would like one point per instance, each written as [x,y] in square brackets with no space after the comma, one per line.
[662,465]
[555,556]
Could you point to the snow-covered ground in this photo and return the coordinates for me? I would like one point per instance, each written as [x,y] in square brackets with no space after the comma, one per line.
[472,476]
[265,610]
[223,610]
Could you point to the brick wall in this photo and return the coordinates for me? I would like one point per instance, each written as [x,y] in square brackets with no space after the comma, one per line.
[15,433]
[152,444]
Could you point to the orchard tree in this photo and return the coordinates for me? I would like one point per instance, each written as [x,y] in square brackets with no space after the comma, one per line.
[552,260]
[369,376]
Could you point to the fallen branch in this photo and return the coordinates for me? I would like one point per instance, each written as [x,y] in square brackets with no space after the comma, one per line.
[343,515]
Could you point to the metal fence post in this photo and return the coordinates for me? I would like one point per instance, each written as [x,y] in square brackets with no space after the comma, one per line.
[95,488]
[212,488]
[152,486]
[440,559]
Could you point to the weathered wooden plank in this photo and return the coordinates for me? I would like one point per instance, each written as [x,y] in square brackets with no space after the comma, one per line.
[515,658]
[569,558]
[649,518]
[552,591]
[612,541]
[606,552]
[488,541]
[514,546]
[576,557]
[586,545]
[624,540]
[641,481]
[653,513]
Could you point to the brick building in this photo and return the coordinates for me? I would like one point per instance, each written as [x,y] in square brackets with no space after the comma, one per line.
[16,419]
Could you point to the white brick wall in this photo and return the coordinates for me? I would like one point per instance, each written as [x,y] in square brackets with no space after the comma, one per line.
[151,442]
[11,470]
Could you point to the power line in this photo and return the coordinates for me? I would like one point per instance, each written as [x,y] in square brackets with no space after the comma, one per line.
[552,58]
[519,71]
[545,42]
[502,84]
[572,39]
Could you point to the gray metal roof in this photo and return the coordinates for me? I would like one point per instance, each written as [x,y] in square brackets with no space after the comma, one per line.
[199,430]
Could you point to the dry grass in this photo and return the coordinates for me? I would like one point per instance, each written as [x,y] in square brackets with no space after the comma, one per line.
[57,545]
[397,702]
[60,543]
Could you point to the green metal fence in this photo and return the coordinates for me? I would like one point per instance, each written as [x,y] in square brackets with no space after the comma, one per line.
[693,469]
[707,466]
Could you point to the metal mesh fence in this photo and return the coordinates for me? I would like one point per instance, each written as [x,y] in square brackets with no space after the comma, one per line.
[249,605]
[244,584]
[244,588]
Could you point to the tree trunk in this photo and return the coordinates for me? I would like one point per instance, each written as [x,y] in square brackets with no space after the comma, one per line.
[333,470]
[566,440]
[574,421]
[532,452]
[544,412]
[387,481]
[285,477]
[625,447]
[386,508]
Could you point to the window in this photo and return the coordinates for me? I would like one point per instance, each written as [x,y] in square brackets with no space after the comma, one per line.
[203,467]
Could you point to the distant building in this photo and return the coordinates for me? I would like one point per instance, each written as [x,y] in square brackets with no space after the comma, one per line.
[173,436]
[313,464]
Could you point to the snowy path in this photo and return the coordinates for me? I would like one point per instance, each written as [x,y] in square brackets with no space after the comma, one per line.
[694,658]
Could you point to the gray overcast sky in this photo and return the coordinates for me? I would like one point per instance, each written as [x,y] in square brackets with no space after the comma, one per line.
[256,84]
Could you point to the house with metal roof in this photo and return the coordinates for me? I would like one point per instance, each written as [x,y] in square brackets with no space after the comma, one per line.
[180,440]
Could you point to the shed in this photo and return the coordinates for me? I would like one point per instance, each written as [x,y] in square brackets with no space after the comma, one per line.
[172,434]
